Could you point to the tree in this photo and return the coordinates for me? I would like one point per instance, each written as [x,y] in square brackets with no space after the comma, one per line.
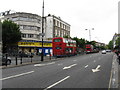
[110,45]
[66,36]
[117,41]
[10,35]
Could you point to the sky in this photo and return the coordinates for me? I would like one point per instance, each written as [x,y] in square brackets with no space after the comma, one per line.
[102,15]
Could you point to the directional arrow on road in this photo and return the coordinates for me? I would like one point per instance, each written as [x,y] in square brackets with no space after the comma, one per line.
[69,66]
[97,69]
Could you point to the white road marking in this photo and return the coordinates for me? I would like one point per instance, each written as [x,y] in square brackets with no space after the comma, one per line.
[97,69]
[57,82]
[86,66]
[17,75]
[110,79]
[69,66]
[44,64]
[60,64]
[74,60]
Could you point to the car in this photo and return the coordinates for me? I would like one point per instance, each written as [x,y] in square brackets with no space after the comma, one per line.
[5,61]
[108,50]
[103,51]
[23,54]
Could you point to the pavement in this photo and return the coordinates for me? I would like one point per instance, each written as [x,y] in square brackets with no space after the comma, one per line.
[119,76]
[27,61]
[115,73]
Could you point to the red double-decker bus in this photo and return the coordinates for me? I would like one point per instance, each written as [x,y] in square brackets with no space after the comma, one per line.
[89,48]
[63,47]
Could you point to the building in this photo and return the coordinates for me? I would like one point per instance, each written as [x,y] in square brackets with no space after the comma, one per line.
[30,24]
[99,44]
[114,39]
[56,27]
[31,29]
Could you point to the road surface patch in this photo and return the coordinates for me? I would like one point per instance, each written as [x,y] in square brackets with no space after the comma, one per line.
[94,61]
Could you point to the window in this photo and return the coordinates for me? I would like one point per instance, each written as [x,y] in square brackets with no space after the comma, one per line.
[58,23]
[58,48]
[57,40]
[21,27]
[24,35]
[88,48]
[30,35]
[14,18]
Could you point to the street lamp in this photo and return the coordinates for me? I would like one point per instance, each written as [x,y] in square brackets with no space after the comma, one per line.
[42,56]
[89,33]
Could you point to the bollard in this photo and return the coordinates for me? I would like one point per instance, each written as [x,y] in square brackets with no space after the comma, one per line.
[16,59]
[50,56]
[6,59]
[21,60]
[31,59]
[31,56]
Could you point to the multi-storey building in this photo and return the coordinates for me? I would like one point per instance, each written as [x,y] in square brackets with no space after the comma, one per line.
[56,27]
[30,24]
[31,29]
[114,39]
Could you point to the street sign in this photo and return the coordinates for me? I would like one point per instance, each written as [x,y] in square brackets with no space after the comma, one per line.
[42,34]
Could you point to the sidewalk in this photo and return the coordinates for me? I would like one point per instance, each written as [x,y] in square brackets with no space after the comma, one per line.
[115,74]
[27,61]
[119,77]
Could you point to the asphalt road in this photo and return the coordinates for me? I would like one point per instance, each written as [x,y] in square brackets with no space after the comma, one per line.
[85,71]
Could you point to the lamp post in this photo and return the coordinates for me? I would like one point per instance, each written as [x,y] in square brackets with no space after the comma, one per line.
[90,33]
[42,56]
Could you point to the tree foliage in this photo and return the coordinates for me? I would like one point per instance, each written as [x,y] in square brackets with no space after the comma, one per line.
[117,41]
[10,34]
[110,45]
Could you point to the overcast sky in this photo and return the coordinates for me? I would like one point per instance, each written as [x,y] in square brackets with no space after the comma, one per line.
[102,15]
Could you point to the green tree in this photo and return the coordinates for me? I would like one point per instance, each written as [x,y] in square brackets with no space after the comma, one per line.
[80,42]
[10,35]
[110,45]
[117,41]
[66,36]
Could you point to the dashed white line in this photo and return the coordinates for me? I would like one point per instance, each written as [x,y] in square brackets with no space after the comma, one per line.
[44,64]
[60,64]
[69,66]
[86,66]
[17,75]
[74,60]
[57,83]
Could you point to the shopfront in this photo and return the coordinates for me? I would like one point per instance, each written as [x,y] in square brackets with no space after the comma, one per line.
[32,46]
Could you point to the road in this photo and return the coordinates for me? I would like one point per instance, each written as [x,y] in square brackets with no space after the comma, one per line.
[85,71]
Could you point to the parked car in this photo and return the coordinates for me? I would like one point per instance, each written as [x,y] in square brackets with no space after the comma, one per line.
[103,51]
[4,60]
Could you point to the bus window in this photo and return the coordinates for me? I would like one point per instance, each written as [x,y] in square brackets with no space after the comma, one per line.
[88,48]
[58,48]
[57,40]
